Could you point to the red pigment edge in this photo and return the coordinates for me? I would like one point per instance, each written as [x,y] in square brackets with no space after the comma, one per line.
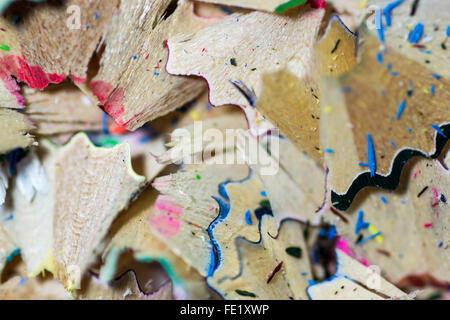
[110,100]
[317,4]
[78,80]
[34,76]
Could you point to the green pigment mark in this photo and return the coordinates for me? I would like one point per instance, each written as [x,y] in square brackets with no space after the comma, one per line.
[4,47]
[108,142]
[245,293]
[288,5]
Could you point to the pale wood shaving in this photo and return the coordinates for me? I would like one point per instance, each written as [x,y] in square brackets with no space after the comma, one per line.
[132,83]
[266,44]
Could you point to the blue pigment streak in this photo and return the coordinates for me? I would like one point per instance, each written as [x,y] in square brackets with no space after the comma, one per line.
[226,10]
[346,89]
[379,25]
[248,218]
[224,210]
[438,130]
[371,156]
[380,58]
[436,76]
[222,191]
[216,255]
[105,123]
[360,224]
[416,34]
[369,238]
[388,9]
[401,107]
[393,144]
[332,233]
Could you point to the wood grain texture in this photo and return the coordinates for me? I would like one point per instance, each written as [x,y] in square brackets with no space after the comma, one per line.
[413,221]
[71,218]
[61,109]
[354,281]
[257,262]
[241,48]
[49,37]
[294,183]
[367,101]
[132,84]
[292,101]
[105,184]
[187,208]
[433,15]
[14,131]
[132,231]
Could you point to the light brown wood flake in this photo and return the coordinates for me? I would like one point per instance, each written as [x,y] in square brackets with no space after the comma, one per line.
[186,208]
[259,261]
[14,131]
[413,222]
[292,102]
[366,101]
[240,49]
[61,229]
[433,15]
[132,83]
[61,109]
[62,38]
[354,281]
[105,184]
[132,231]
[294,183]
